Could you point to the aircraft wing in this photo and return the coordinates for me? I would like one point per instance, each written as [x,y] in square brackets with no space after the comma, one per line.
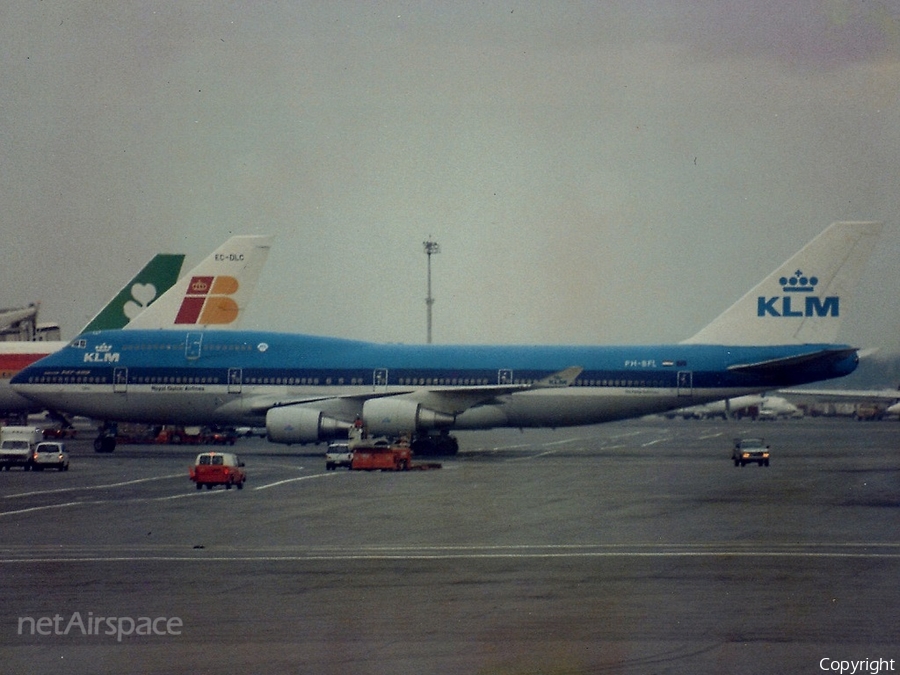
[455,400]
[446,400]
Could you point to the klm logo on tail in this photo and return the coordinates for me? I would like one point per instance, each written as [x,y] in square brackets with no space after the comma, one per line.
[794,304]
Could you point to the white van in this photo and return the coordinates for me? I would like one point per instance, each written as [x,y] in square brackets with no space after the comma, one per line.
[17,446]
[50,454]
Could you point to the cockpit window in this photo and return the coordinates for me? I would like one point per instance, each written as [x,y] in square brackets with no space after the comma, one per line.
[80,343]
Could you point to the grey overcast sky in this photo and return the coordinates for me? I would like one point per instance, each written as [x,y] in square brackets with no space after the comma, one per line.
[595,172]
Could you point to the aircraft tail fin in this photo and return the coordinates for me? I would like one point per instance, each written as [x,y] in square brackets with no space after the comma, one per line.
[216,292]
[804,300]
[146,287]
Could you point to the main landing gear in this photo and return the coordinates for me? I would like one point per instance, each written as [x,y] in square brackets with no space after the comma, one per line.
[443,444]
[106,438]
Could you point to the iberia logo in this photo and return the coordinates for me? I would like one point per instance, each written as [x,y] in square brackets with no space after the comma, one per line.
[208,301]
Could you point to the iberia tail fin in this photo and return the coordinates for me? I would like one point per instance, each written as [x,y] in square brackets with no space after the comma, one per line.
[147,286]
[804,300]
[213,294]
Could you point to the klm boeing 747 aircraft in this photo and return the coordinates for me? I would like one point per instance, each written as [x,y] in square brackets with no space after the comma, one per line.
[307,389]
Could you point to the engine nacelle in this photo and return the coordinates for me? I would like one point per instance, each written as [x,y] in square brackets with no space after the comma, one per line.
[391,416]
[296,424]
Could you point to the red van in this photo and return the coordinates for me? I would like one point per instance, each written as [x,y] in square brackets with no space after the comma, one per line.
[218,468]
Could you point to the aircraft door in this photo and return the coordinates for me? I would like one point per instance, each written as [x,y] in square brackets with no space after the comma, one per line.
[685,383]
[380,378]
[504,376]
[120,380]
[235,380]
[192,346]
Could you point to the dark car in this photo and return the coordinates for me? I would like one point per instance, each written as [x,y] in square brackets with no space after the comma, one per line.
[749,450]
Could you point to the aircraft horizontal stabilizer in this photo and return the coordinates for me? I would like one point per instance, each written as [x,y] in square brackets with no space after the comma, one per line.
[793,362]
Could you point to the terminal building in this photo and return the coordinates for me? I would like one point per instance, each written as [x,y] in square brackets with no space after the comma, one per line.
[20,324]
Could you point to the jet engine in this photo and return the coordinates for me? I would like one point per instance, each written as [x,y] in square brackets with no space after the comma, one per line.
[393,416]
[296,424]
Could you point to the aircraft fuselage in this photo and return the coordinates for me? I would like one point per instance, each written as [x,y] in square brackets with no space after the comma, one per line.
[235,377]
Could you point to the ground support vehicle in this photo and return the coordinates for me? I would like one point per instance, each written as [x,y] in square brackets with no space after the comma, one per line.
[60,432]
[338,455]
[218,468]
[50,455]
[382,455]
[869,412]
[17,446]
[749,450]
[220,437]
[144,434]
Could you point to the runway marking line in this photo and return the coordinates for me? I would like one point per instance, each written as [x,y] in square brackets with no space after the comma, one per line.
[545,445]
[472,556]
[40,508]
[890,551]
[565,440]
[184,495]
[95,502]
[95,487]
[292,480]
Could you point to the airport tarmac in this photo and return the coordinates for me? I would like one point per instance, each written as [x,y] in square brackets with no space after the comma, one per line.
[634,547]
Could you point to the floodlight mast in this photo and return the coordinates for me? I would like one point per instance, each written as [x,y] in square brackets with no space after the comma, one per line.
[431,248]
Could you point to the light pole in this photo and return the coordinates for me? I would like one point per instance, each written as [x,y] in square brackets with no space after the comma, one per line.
[431,247]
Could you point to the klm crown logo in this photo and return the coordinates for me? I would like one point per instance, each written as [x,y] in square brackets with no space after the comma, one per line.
[799,283]
[788,305]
